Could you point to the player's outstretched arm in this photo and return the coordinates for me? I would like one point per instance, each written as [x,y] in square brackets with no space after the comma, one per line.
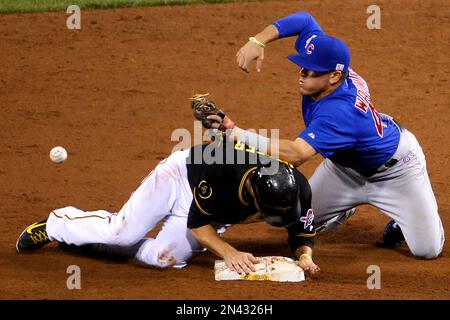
[295,152]
[242,262]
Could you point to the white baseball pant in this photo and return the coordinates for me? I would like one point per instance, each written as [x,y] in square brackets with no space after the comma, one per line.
[403,192]
[164,194]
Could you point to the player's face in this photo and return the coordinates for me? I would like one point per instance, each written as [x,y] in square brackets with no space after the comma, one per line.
[312,83]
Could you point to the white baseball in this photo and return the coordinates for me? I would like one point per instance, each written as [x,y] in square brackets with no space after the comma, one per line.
[58,154]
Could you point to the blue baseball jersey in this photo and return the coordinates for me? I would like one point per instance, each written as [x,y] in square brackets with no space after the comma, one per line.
[343,126]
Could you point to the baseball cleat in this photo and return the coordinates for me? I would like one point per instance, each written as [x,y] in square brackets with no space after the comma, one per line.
[33,237]
[392,236]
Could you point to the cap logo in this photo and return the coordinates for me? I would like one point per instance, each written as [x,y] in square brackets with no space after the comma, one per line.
[309,40]
[310,48]
[339,67]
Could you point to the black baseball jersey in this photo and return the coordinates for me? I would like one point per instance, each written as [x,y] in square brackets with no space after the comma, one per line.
[216,174]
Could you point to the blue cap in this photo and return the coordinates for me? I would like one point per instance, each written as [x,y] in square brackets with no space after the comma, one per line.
[323,53]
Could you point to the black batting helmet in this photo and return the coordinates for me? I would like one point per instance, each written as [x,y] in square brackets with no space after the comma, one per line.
[277,193]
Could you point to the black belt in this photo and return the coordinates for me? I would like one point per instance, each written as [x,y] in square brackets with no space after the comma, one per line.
[371,172]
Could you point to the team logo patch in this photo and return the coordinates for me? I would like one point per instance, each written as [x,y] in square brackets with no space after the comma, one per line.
[310,48]
[308,219]
[204,191]
[408,158]
[309,40]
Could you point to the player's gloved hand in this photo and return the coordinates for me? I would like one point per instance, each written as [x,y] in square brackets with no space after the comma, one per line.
[306,263]
[242,262]
[206,111]
[249,52]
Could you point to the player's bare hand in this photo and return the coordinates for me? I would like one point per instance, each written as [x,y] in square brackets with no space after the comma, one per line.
[242,262]
[248,53]
[222,124]
[308,265]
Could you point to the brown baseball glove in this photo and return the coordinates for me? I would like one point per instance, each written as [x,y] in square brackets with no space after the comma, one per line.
[202,107]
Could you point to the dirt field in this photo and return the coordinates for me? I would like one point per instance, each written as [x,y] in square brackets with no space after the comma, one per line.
[112,93]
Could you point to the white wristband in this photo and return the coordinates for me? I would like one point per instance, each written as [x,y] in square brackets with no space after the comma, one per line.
[252,139]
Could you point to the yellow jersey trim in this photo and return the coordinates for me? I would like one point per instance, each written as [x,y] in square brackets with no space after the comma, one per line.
[241,185]
[198,205]
[306,235]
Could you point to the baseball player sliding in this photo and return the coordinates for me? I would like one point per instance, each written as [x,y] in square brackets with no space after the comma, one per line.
[197,193]
[369,157]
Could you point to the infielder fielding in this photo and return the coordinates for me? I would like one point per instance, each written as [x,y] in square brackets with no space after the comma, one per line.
[197,193]
[369,157]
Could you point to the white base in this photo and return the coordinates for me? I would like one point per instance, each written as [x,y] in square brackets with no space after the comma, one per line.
[272,268]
